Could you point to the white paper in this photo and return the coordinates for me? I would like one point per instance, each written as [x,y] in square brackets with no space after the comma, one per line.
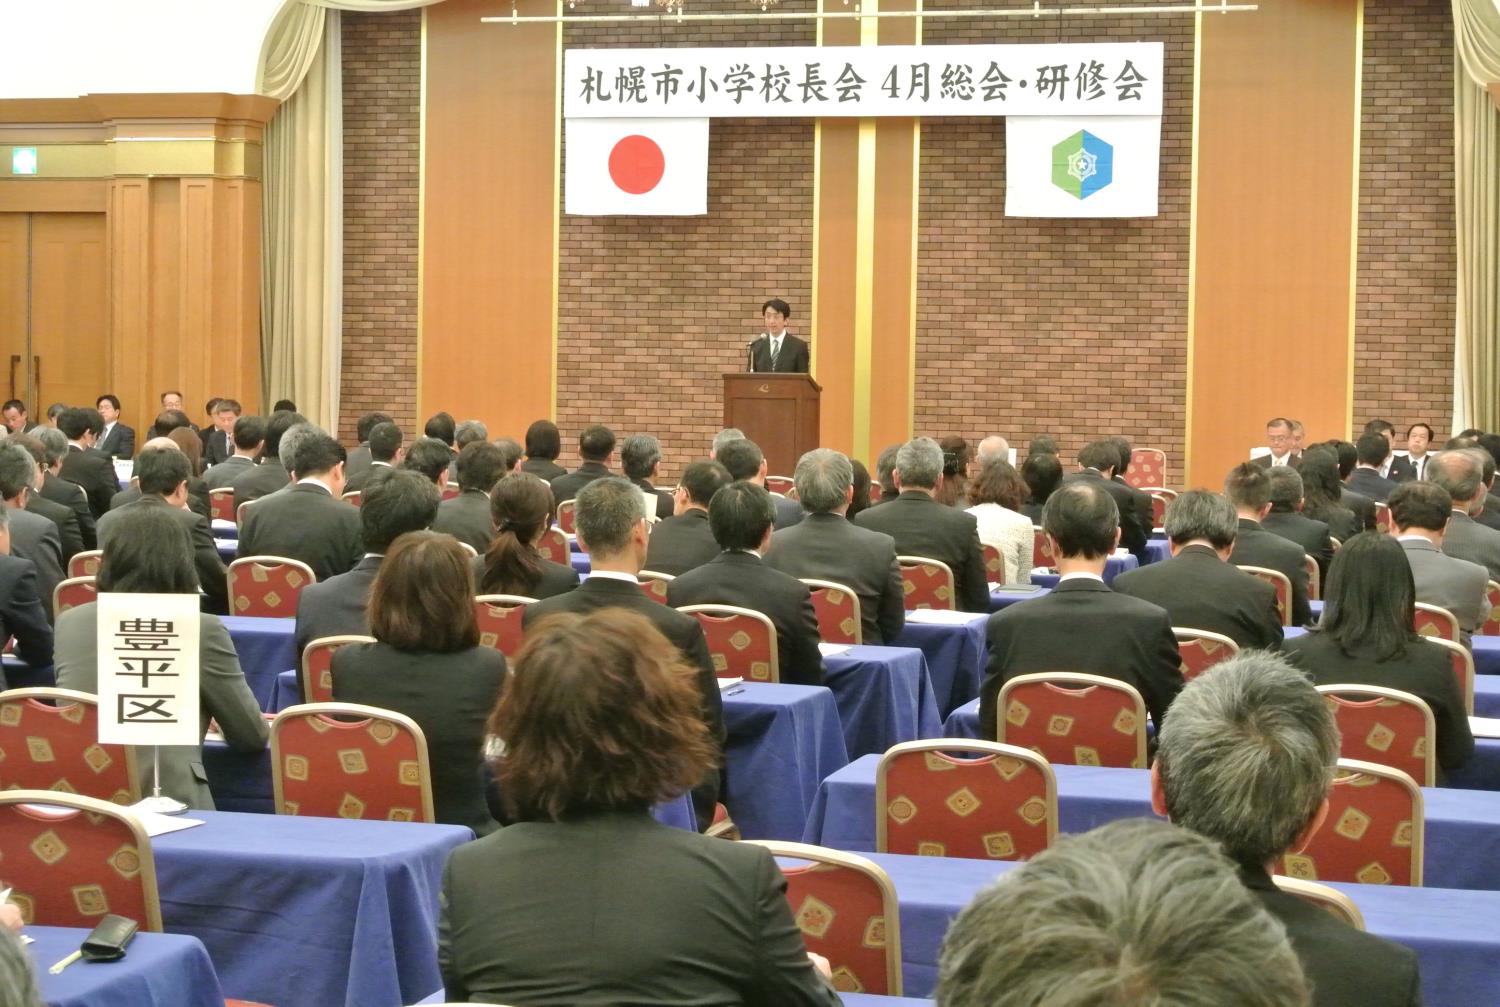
[148,669]
[729,683]
[159,825]
[830,649]
[943,617]
[1484,727]
[1089,166]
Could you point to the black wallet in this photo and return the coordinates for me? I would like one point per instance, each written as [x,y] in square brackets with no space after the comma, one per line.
[108,939]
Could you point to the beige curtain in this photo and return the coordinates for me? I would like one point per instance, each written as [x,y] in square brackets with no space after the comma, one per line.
[1477,177]
[302,260]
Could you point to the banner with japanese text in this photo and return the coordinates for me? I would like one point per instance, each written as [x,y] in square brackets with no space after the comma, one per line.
[148,669]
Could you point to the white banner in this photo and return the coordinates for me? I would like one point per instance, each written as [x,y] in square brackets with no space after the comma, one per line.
[1082,167]
[636,167]
[148,669]
[1094,79]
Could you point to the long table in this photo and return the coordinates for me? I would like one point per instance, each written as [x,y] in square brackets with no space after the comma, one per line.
[1462,832]
[158,970]
[954,645]
[1113,567]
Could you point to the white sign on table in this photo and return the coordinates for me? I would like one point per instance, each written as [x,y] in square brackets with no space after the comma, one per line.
[148,669]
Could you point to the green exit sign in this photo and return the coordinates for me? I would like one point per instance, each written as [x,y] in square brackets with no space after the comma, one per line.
[23,161]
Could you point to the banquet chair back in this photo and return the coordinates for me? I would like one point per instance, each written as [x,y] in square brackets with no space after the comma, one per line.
[1074,719]
[1491,624]
[846,908]
[742,642]
[1383,521]
[1463,669]
[85,564]
[1434,621]
[1159,503]
[1148,467]
[565,517]
[317,665]
[1373,832]
[221,504]
[267,586]
[654,584]
[994,564]
[837,608]
[241,511]
[49,740]
[342,760]
[1200,650]
[451,491]
[1385,726]
[927,583]
[1314,578]
[1041,551]
[1330,900]
[499,617]
[355,497]
[781,485]
[73,859]
[73,592]
[973,799]
[1283,585]
[553,545]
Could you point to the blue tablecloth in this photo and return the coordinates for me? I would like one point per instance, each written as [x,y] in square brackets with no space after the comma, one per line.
[227,548]
[266,648]
[884,697]
[1158,549]
[955,653]
[1462,836]
[1009,596]
[224,529]
[783,740]
[310,912]
[1113,567]
[848,999]
[158,970]
[581,562]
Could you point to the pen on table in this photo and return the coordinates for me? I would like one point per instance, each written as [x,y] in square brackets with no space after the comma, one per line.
[735,691]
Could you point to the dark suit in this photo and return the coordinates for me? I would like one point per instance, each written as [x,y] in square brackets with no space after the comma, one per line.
[1345,967]
[1370,483]
[70,536]
[467,518]
[566,487]
[450,696]
[217,445]
[923,527]
[788,512]
[744,580]
[118,441]
[1201,591]
[205,553]
[224,473]
[1254,546]
[1135,527]
[681,543]
[336,606]
[1426,671]
[197,500]
[362,479]
[793,358]
[268,476]
[1144,513]
[1311,535]
[556,579]
[1343,523]
[1470,540]
[34,538]
[359,460]
[305,523]
[684,632]
[665,505]
[23,614]
[71,495]
[92,470]
[1450,582]
[828,547]
[1083,626]
[617,910]
[1362,506]
[543,469]
[1489,516]
[1404,470]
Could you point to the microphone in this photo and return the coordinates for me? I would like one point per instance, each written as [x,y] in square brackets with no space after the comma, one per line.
[750,353]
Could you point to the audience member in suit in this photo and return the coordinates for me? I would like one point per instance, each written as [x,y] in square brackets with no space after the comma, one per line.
[1320,494]
[923,527]
[685,541]
[467,516]
[746,463]
[1198,586]
[427,663]
[1247,760]
[885,468]
[958,459]
[1362,506]
[677,918]
[596,448]
[466,433]
[827,546]
[861,499]
[1420,512]
[741,516]
[777,350]
[69,534]
[249,435]
[191,445]
[1043,474]
[1388,431]
[360,458]
[1248,487]
[269,474]
[1144,513]
[1136,911]
[521,509]
[385,451]
[218,440]
[308,522]
[1412,465]
[1459,472]
[116,440]
[1097,462]
[149,552]
[1083,626]
[543,445]
[84,465]
[57,489]
[182,440]
[1287,520]
[16,421]
[612,530]
[1283,441]
[430,457]
[32,537]
[1373,452]
[173,418]
[996,496]
[23,615]
[400,503]
[1489,514]
[640,457]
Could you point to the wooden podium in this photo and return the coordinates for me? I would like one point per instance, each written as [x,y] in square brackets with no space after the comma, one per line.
[779,412]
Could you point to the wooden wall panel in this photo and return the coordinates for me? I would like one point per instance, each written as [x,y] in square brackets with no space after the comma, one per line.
[69,308]
[14,243]
[133,275]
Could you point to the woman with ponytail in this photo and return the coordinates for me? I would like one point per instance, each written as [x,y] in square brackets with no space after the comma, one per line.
[522,507]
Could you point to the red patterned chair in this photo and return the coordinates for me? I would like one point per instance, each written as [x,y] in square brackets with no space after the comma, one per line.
[1159,504]
[239,513]
[317,666]
[997,802]
[1041,551]
[847,911]
[221,504]
[1200,650]
[1383,517]
[451,491]
[1491,625]
[72,859]
[1463,669]
[742,642]
[499,617]
[994,564]
[1330,900]
[49,740]
[267,586]
[654,584]
[326,765]
[73,592]
[553,545]
[1314,578]
[1385,726]
[1373,832]
[1148,467]
[85,564]
[565,517]
[783,485]
[927,583]
[1436,621]
[1283,585]
[355,497]
[837,608]
[1074,719]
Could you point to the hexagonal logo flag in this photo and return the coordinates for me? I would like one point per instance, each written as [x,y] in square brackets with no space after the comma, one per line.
[1097,166]
[1082,164]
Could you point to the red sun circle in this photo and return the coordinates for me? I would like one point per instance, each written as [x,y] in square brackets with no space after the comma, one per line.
[636,164]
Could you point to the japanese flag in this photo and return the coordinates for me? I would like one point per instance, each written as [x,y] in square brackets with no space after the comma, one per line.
[643,167]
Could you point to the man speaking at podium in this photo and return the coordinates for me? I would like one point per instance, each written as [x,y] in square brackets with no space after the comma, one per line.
[776,349]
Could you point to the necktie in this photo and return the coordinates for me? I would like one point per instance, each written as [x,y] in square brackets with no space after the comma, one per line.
[775,352]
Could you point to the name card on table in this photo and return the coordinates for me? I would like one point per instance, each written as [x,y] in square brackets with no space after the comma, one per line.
[148,669]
